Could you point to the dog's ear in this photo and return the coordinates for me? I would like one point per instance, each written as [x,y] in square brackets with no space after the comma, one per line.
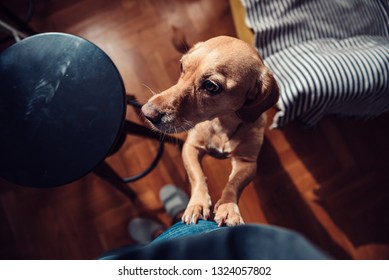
[262,97]
[179,40]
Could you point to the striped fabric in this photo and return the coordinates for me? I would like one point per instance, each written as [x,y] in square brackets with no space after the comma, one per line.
[328,56]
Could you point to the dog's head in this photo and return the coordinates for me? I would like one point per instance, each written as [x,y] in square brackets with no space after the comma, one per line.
[220,76]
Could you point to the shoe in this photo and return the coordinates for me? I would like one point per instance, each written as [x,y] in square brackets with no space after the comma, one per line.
[174,200]
[143,230]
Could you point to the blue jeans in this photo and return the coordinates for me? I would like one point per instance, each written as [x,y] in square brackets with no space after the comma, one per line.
[180,229]
[205,240]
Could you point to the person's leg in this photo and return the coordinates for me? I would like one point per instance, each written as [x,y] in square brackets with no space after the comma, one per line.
[180,229]
[144,230]
[258,242]
[205,240]
[174,201]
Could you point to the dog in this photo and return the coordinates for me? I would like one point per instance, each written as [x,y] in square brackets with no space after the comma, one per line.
[220,98]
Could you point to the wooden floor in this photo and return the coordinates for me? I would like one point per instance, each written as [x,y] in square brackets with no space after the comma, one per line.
[329,183]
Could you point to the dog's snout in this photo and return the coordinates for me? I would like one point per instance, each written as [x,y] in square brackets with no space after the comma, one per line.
[152,114]
[155,118]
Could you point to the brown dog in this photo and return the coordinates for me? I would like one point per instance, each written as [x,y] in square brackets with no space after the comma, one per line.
[220,97]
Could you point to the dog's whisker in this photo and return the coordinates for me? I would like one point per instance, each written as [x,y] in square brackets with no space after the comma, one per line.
[162,137]
[141,116]
[150,89]
[142,100]
[187,125]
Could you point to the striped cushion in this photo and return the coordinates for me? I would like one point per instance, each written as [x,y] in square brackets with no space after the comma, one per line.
[329,57]
[327,76]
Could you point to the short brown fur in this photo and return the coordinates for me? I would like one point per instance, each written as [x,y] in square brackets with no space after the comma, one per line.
[227,122]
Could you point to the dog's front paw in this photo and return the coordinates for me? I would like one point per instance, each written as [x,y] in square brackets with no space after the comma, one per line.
[197,209]
[228,214]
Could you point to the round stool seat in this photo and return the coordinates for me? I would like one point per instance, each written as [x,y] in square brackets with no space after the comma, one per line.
[62,108]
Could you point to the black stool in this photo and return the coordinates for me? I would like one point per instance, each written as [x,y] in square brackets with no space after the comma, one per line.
[62,112]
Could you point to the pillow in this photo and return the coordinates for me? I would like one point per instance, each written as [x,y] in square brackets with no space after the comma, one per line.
[327,76]
[328,56]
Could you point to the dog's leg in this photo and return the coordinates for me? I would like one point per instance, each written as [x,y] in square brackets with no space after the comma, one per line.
[226,209]
[200,201]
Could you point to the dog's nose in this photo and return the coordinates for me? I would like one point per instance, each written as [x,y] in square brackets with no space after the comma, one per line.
[152,114]
[155,118]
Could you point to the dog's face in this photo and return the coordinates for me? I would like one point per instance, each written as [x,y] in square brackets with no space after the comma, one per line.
[218,77]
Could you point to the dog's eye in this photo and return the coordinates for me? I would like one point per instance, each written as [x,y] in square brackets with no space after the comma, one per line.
[211,87]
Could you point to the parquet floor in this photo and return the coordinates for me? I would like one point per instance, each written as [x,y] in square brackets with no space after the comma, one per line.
[329,183]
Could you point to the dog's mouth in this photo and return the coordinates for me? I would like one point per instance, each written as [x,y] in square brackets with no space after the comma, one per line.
[170,128]
[169,125]
[165,121]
